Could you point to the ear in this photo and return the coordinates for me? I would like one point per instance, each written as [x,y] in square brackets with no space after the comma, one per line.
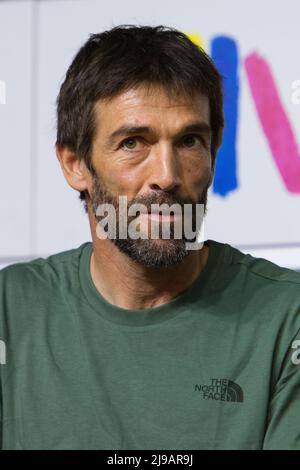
[73,168]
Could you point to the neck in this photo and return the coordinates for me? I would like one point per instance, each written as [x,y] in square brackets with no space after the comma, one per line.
[131,285]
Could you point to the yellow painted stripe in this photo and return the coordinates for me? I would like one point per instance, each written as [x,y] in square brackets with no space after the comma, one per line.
[197,39]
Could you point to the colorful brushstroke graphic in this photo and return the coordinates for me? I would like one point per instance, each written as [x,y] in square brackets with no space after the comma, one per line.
[270,111]
[274,121]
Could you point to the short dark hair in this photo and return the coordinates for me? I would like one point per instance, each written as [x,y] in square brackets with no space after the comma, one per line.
[124,57]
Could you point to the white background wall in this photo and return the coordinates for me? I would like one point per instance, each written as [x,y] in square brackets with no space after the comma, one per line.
[41,214]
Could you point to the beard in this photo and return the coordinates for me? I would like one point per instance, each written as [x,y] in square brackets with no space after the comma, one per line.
[148,251]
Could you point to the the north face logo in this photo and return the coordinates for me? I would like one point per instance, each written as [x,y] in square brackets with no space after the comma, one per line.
[221,389]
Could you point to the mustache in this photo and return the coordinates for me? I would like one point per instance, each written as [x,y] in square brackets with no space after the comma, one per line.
[100,195]
[162,198]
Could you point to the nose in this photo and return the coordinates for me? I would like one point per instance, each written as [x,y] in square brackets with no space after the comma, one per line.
[165,170]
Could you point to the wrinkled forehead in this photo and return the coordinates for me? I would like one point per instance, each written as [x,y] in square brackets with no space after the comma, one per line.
[145,105]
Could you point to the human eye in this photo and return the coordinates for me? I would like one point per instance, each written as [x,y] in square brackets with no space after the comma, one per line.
[130,143]
[192,141]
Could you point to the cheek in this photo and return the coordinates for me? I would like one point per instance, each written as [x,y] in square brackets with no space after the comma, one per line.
[196,180]
[123,182]
[197,174]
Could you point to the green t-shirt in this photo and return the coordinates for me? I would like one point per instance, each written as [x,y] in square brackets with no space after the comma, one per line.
[215,368]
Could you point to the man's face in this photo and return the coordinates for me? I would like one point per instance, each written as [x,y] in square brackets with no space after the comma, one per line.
[152,148]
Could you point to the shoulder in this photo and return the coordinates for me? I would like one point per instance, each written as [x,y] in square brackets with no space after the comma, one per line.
[269,293]
[263,287]
[257,268]
[40,272]
[263,294]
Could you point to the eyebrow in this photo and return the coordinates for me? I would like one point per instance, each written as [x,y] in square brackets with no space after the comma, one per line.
[125,130]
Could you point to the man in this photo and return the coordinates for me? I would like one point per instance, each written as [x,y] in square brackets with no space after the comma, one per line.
[141,342]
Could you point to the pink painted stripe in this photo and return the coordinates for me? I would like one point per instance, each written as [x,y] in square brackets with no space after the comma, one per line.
[274,121]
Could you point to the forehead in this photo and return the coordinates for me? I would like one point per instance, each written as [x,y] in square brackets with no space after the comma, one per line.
[144,105]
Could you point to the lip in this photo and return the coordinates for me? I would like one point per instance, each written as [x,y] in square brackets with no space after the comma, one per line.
[163,211]
[155,215]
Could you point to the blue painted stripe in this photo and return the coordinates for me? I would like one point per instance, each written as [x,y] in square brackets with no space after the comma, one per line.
[224,53]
